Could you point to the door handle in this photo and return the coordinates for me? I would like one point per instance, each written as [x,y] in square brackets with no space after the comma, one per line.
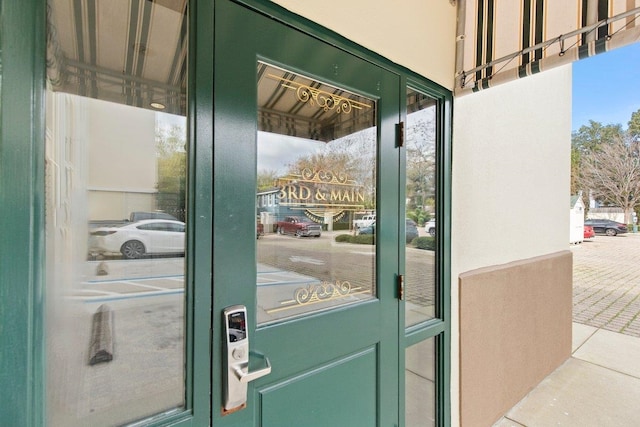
[236,359]
[243,374]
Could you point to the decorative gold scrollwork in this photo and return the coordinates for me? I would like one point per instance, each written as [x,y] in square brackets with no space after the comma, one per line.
[322,292]
[326,176]
[325,100]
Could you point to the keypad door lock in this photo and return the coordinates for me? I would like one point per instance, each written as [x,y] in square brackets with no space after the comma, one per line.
[236,362]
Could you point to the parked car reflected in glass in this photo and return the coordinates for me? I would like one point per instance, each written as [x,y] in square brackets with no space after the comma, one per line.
[430,227]
[369,229]
[138,239]
[411,230]
[299,227]
[606,226]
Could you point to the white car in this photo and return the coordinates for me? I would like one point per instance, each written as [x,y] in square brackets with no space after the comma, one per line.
[137,239]
[430,227]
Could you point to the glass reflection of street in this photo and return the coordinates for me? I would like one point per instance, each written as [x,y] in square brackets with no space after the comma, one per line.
[126,279]
[287,265]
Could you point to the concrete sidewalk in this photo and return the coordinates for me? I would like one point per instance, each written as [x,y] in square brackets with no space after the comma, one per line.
[598,386]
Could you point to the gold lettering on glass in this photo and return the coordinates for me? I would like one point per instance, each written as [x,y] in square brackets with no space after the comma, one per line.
[316,164]
[325,100]
[320,188]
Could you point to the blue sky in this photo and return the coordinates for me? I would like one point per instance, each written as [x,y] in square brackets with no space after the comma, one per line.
[606,87]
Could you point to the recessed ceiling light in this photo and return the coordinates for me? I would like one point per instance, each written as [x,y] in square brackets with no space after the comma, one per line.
[158,105]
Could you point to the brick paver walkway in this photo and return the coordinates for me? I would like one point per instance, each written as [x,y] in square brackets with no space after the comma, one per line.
[606,283]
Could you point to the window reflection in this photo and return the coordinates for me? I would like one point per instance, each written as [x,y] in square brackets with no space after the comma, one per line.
[420,282]
[420,390]
[316,174]
[115,210]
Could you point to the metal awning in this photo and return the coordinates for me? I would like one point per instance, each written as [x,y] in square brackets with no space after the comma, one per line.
[129,52]
[134,52]
[502,41]
[295,105]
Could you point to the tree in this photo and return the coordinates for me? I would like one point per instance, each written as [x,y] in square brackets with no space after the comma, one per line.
[172,170]
[612,173]
[589,139]
[421,159]
[575,170]
[267,179]
[634,126]
[353,156]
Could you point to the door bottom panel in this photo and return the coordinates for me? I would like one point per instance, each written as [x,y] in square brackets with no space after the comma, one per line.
[342,393]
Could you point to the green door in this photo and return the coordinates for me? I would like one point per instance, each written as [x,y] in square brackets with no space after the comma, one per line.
[304,145]
[299,210]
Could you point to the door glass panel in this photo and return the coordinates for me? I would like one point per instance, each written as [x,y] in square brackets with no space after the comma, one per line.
[316,177]
[116,149]
[420,389]
[420,281]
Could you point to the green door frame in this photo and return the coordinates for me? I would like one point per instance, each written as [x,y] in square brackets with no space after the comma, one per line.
[439,327]
[22,253]
[22,248]
[22,28]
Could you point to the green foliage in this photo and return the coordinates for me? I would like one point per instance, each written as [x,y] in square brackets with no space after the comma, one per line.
[576,159]
[604,162]
[172,170]
[362,239]
[419,216]
[428,243]
[340,226]
[267,180]
[634,126]
[590,138]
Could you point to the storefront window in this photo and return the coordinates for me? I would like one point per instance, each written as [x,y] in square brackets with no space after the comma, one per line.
[420,390]
[421,249]
[115,173]
[317,161]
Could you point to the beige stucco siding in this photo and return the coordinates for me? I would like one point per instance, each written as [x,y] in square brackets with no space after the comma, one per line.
[511,167]
[419,35]
[122,147]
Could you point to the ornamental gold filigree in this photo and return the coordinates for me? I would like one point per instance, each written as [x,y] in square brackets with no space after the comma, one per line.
[325,100]
[322,292]
[326,176]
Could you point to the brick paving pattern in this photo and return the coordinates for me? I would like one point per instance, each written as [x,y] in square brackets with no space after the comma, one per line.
[606,283]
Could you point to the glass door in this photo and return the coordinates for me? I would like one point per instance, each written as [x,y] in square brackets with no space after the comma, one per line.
[305,230]
[120,336]
[296,214]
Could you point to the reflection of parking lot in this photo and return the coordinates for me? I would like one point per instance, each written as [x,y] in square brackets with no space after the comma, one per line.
[146,299]
[293,263]
[285,264]
[113,280]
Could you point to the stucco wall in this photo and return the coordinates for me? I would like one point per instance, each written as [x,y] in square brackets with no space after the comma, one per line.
[122,145]
[511,157]
[515,329]
[122,172]
[419,35]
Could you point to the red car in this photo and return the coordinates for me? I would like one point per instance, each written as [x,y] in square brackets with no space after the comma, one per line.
[588,232]
[299,226]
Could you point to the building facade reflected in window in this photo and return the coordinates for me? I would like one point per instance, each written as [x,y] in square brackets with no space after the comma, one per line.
[115,211]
